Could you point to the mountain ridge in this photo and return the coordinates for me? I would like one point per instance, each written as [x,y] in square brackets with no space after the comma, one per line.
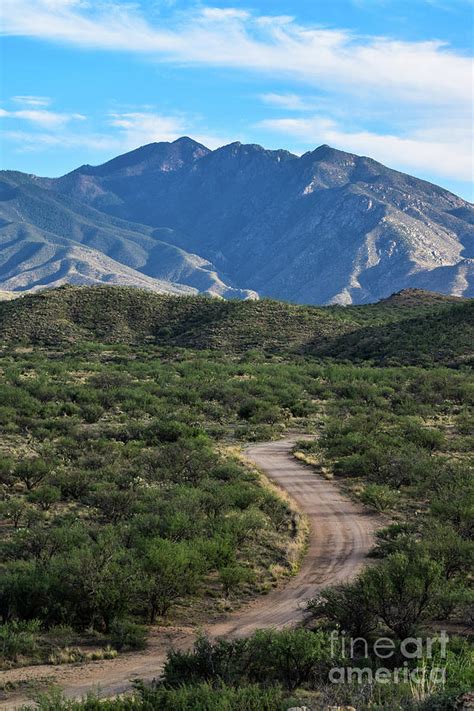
[50,223]
[244,221]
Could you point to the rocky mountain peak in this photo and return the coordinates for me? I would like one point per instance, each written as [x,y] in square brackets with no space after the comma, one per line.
[327,227]
[162,156]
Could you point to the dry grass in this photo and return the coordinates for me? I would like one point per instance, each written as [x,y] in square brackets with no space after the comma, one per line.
[294,547]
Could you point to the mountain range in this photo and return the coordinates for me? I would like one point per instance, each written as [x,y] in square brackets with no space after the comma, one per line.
[327,227]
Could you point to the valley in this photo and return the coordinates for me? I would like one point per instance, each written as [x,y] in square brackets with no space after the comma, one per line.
[236,355]
[125,528]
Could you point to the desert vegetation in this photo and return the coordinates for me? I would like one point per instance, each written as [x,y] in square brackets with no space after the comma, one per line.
[411,328]
[125,503]
[116,513]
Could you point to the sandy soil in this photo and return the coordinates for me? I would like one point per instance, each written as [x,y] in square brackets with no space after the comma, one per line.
[341,535]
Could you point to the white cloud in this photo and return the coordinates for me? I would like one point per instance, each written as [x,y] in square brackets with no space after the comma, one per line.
[42,117]
[291,102]
[34,101]
[432,151]
[32,142]
[416,87]
[141,127]
[121,132]
[414,71]
[230,13]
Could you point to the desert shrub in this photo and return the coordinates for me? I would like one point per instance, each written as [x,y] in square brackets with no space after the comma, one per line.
[234,576]
[396,537]
[114,503]
[452,497]
[349,607]
[311,446]
[426,438]
[170,570]
[18,639]
[287,657]
[248,697]
[399,593]
[126,634]
[379,497]
[45,496]
[444,543]
[7,466]
[92,412]
[403,590]
[15,509]
[31,472]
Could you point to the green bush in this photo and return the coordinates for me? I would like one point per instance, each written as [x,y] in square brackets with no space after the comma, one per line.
[233,576]
[248,697]
[289,657]
[18,639]
[201,697]
[45,496]
[398,595]
[379,497]
[126,634]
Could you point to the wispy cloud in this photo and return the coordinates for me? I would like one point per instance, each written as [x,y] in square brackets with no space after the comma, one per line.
[291,102]
[416,86]
[429,150]
[414,71]
[33,110]
[120,131]
[35,141]
[139,127]
[42,117]
[34,101]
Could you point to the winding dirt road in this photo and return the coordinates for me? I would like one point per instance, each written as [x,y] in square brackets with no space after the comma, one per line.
[341,535]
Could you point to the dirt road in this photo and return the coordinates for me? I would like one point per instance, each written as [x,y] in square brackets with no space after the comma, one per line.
[341,535]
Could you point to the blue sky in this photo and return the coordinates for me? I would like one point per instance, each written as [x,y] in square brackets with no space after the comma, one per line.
[85,80]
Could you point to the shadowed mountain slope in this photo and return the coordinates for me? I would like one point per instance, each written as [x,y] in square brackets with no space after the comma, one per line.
[326,227]
[47,240]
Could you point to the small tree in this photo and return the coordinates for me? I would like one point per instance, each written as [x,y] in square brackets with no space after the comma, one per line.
[171,570]
[350,607]
[233,576]
[379,497]
[95,584]
[114,504]
[45,496]
[31,472]
[14,509]
[7,467]
[289,657]
[403,590]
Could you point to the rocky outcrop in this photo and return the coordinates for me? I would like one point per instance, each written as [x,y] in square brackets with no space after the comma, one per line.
[326,227]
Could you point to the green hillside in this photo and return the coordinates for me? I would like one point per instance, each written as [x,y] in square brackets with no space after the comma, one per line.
[127,509]
[415,328]
[443,334]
